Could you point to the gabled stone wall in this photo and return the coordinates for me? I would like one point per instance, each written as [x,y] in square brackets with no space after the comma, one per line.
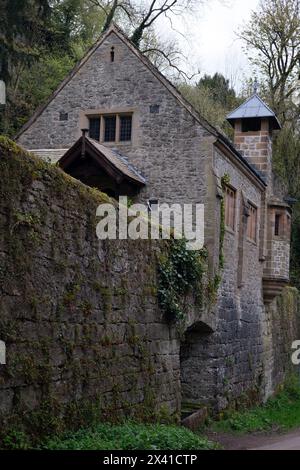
[166,146]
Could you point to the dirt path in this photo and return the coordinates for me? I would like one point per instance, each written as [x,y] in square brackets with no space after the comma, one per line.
[289,441]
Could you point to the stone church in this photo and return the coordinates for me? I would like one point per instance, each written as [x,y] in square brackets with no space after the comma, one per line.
[118,124]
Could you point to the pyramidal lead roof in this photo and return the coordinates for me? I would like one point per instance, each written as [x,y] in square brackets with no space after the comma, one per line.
[254,107]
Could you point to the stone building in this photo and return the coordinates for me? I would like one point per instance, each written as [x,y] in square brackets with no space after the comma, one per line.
[146,141]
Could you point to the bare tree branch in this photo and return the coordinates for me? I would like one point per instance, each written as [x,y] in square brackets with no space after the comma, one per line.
[170,62]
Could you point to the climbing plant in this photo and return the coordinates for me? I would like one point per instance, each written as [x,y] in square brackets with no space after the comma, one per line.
[180,273]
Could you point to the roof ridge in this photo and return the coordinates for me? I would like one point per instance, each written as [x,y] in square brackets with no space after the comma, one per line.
[242,105]
[265,104]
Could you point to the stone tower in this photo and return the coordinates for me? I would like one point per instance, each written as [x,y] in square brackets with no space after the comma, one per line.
[254,123]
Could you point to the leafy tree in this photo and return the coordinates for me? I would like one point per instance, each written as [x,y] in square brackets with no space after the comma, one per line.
[37,35]
[40,43]
[272,42]
[219,88]
[272,39]
[24,29]
[213,98]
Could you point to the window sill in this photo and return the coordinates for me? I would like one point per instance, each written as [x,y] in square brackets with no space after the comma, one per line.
[113,144]
[280,238]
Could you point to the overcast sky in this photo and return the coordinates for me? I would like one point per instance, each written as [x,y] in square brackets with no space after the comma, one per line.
[210,41]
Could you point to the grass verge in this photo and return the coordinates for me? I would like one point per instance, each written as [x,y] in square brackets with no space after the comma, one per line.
[131,436]
[280,413]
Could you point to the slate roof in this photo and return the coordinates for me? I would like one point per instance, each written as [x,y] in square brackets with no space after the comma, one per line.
[103,155]
[118,160]
[253,107]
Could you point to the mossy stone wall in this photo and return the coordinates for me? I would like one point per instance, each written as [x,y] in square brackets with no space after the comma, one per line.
[85,336]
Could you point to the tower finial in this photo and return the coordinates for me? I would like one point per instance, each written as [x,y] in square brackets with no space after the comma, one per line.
[255,86]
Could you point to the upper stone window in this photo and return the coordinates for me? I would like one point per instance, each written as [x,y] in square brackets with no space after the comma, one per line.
[282,224]
[125,128]
[278,224]
[230,205]
[252,223]
[111,127]
[94,128]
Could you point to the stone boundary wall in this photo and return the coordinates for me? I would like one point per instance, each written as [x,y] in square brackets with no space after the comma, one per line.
[85,337]
[80,318]
[282,328]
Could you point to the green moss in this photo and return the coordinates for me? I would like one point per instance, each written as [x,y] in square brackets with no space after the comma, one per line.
[21,166]
[97,286]
[107,295]
[86,307]
[150,291]
[70,295]
[120,291]
[106,340]
[7,145]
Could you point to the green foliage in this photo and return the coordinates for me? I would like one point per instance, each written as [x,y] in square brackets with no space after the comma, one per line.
[211,102]
[271,40]
[220,89]
[286,157]
[280,412]
[42,41]
[24,28]
[225,180]
[295,248]
[15,440]
[130,436]
[180,274]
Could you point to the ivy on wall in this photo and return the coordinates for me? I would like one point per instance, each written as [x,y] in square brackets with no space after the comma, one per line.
[180,274]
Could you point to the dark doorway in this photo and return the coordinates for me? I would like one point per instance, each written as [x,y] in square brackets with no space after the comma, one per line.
[196,369]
